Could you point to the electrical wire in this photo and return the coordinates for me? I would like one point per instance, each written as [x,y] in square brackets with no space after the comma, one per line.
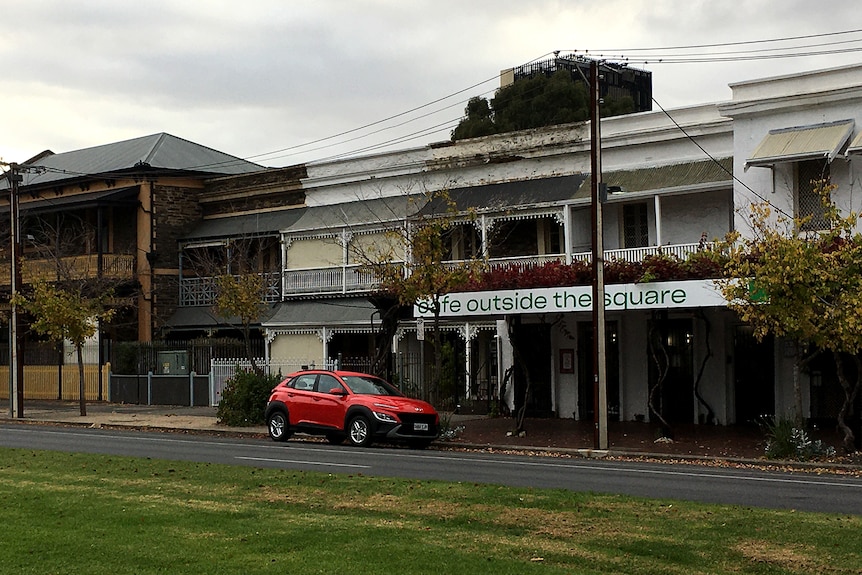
[717,163]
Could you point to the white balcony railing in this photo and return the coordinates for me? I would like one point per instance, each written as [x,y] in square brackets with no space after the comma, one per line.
[345,279]
[351,279]
[202,291]
[638,254]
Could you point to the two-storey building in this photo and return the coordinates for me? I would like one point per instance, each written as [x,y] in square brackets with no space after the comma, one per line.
[520,201]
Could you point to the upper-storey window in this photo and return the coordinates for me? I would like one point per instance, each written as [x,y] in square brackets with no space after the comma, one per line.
[808,202]
[635,226]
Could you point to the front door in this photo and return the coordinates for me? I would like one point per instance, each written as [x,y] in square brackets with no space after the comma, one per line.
[671,371]
[532,343]
[586,378]
[753,375]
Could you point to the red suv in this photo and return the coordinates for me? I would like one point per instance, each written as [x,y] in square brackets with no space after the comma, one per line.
[348,405]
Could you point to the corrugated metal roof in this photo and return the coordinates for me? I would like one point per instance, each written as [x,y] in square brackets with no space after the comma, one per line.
[801,143]
[660,178]
[322,312]
[158,151]
[855,146]
[506,195]
[364,213]
[305,219]
[247,225]
[202,317]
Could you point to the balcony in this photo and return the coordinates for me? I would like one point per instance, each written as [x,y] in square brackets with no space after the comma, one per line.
[341,280]
[202,291]
[346,280]
[114,266]
[680,251]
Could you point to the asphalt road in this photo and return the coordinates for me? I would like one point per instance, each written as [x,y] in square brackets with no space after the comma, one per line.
[747,487]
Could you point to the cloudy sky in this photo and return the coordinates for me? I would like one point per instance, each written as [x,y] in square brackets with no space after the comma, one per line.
[286,81]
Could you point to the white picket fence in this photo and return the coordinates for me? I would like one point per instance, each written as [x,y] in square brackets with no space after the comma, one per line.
[222,369]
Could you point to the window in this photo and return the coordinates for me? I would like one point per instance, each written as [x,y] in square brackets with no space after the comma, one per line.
[464,242]
[326,383]
[635,226]
[808,201]
[304,382]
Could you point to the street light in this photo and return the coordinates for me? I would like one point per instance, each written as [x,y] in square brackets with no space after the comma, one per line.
[16,367]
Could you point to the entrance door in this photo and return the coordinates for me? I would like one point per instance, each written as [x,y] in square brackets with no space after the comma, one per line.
[533,343]
[586,403]
[753,374]
[671,369]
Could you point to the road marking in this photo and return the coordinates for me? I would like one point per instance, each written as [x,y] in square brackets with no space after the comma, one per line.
[301,462]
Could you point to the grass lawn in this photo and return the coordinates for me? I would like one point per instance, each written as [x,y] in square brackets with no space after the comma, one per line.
[91,514]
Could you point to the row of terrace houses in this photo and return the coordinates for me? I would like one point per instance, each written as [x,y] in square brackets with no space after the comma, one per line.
[676,180]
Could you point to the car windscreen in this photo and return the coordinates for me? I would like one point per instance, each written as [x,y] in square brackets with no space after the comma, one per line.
[369,386]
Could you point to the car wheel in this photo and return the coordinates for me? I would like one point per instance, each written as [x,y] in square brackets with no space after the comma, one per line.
[335,438]
[359,431]
[278,426]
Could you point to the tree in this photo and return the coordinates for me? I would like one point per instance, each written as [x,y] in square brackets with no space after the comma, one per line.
[69,296]
[241,297]
[478,120]
[427,272]
[239,270]
[806,287]
[67,311]
[534,103]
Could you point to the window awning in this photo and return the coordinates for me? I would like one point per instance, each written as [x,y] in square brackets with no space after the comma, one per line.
[855,146]
[820,141]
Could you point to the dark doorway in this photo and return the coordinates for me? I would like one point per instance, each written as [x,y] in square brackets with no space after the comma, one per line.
[586,403]
[670,354]
[753,375]
[533,352]
[354,351]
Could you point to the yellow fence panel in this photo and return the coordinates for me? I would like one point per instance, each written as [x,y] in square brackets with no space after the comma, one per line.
[56,382]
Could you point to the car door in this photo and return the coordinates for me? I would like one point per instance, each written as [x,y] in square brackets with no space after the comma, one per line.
[328,408]
[299,398]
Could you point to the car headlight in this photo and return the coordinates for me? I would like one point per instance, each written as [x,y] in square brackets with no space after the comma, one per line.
[385,417]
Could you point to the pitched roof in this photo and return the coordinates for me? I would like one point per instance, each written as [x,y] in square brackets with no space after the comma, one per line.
[156,152]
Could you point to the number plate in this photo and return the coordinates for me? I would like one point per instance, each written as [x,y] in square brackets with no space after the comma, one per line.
[420,427]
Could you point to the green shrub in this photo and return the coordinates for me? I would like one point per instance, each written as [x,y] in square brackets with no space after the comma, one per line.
[784,440]
[244,398]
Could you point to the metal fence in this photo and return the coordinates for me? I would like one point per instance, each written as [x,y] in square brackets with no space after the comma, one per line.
[223,369]
[176,357]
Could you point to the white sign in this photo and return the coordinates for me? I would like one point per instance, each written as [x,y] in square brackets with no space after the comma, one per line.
[618,297]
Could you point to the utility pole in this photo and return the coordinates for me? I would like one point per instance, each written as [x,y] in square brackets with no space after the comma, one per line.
[16,367]
[600,387]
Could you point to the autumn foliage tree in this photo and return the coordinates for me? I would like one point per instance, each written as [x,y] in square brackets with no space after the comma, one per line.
[241,297]
[427,272]
[67,311]
[805,287]
[68,297]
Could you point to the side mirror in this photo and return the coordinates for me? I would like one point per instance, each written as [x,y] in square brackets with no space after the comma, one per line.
[337,391]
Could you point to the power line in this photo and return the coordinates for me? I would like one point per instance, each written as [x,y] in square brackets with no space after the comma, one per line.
[740,43]
[712,158]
